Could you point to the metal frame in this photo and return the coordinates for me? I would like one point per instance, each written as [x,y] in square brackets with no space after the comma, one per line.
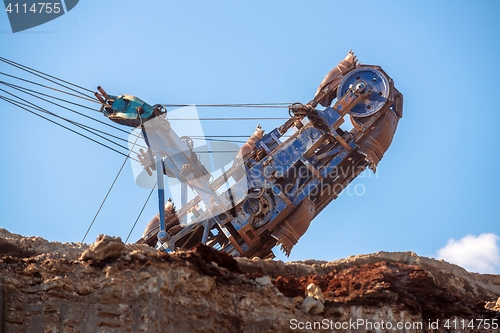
[288,182]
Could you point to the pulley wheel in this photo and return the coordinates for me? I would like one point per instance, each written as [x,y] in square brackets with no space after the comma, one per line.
[376,83]
[259,208]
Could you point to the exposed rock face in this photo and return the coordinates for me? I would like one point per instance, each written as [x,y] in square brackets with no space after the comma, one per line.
[112,287]
[495,306]
[104,248]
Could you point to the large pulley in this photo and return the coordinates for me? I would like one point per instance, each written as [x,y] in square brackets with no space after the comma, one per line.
[259,207]
[376,85]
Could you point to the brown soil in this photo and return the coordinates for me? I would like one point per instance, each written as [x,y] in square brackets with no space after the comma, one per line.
[422,287]
[386,283]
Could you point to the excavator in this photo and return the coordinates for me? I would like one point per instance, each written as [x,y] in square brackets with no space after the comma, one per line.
[278,182]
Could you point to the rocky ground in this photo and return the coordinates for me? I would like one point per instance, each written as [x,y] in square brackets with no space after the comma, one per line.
[112,287]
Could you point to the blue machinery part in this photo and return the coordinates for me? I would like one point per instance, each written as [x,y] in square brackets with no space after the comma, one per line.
[279,185]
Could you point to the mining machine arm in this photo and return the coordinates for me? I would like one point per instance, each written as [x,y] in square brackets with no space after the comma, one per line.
[280,183]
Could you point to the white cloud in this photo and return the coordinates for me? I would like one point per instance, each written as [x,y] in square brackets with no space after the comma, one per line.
[474,253]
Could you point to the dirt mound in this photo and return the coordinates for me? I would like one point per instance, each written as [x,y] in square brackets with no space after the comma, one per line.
[387,283]
[9,249]
[113,287]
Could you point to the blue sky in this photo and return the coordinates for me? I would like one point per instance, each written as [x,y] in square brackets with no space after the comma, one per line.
[437,184]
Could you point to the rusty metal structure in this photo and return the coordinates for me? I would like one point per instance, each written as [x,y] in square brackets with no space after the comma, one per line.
[279,183]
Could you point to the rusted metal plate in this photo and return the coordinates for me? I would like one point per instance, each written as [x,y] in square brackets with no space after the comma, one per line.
[297,223]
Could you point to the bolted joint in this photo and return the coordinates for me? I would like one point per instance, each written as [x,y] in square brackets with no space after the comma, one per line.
[163,236]
[358,88]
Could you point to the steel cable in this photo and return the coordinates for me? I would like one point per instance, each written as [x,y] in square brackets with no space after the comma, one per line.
[34,71]
[140,213]
[61,125]
[74,122]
